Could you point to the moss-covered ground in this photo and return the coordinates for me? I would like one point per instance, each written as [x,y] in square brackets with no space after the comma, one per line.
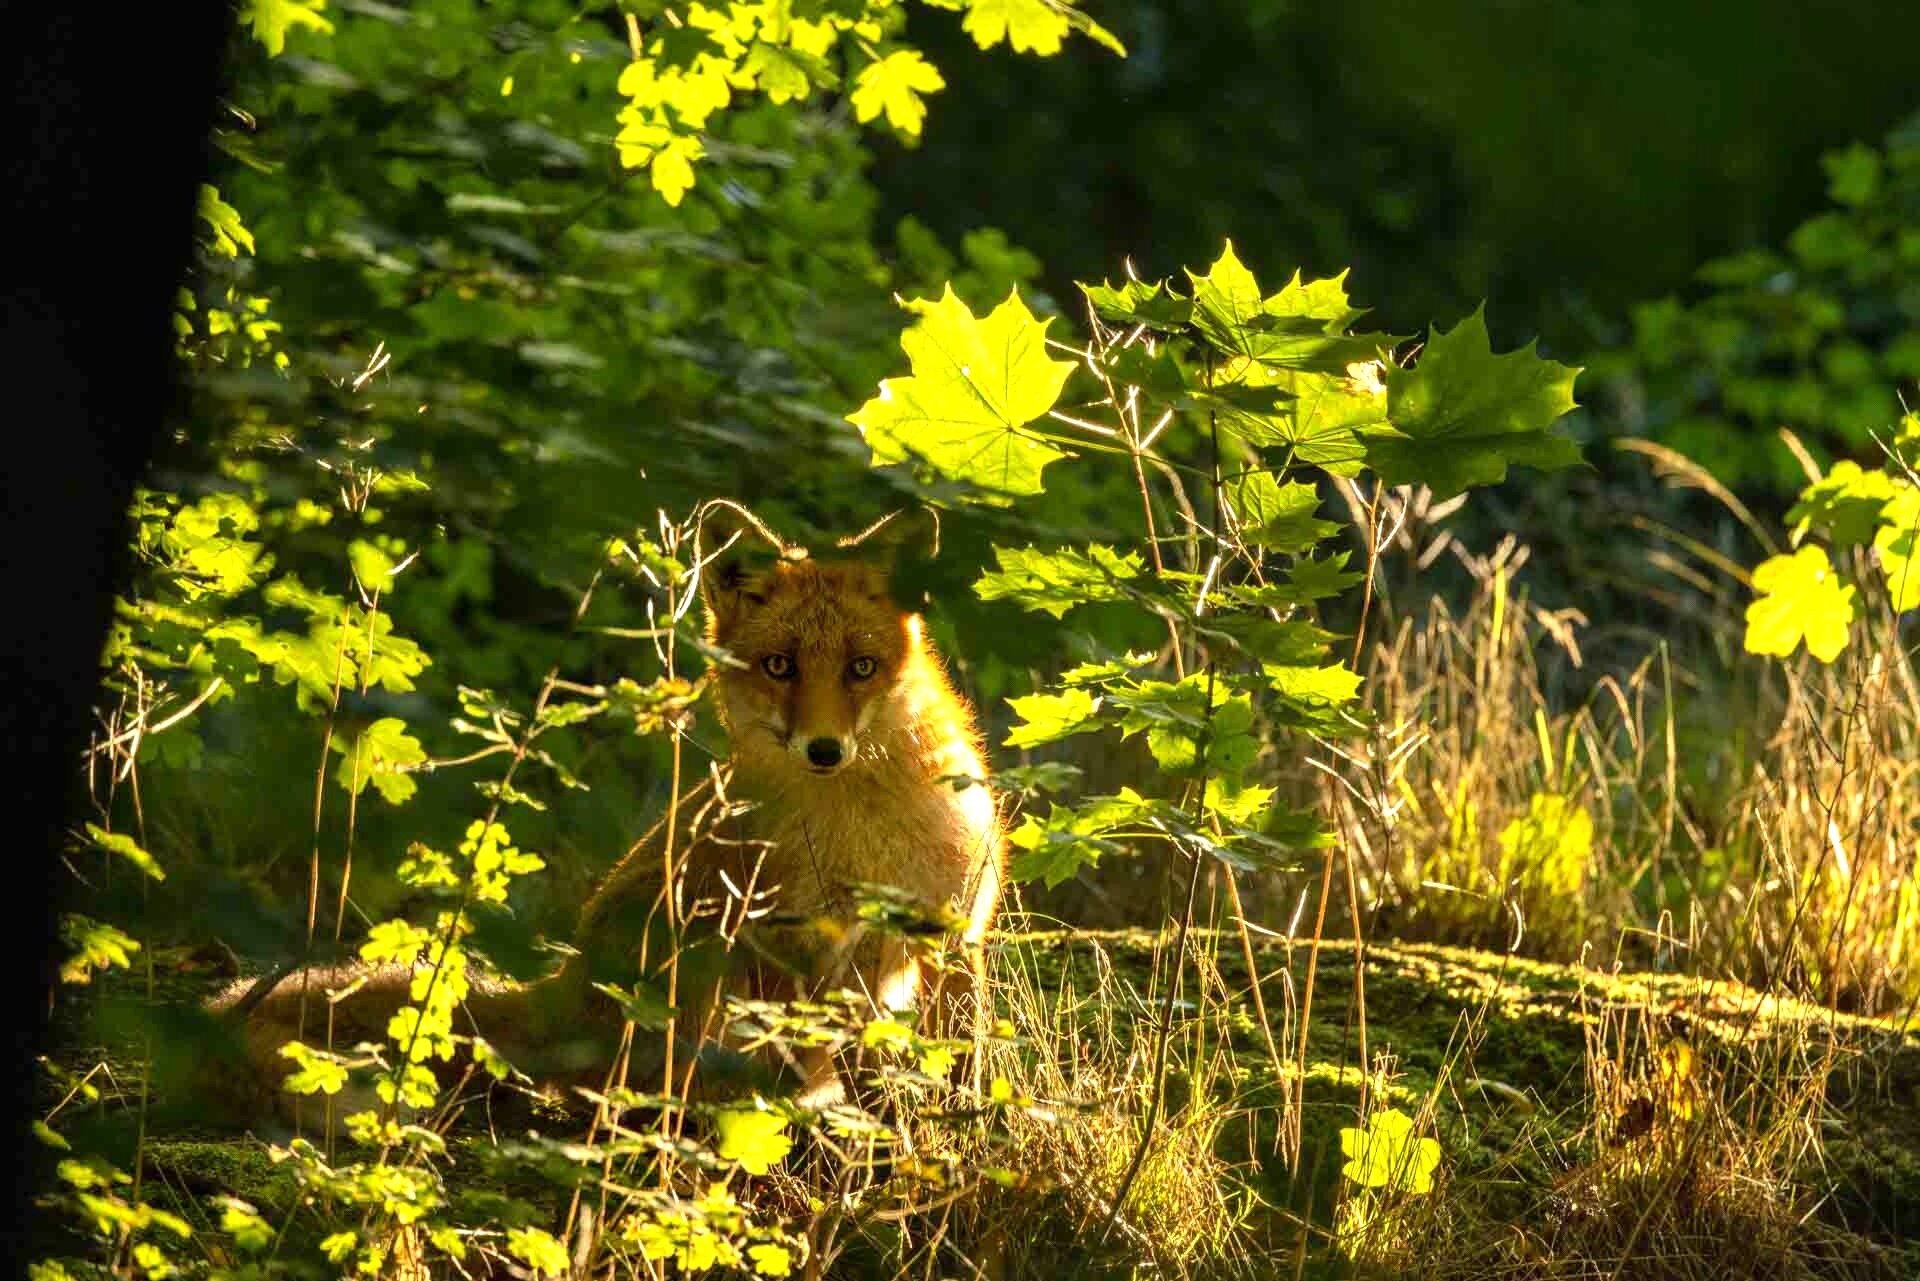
[1498,1049]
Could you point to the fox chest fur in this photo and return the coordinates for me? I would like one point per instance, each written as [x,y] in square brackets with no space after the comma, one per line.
[859,761]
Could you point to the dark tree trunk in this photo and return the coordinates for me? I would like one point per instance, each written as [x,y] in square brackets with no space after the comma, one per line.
[103,144]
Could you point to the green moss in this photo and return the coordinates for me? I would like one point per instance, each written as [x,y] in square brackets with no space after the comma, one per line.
[1508,1038]
[204,1168]
[1499,1044]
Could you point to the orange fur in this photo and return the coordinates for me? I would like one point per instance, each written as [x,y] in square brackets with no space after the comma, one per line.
[793,838]
[886,812]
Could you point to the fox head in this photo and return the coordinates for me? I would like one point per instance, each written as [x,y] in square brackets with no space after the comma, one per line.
[828,667]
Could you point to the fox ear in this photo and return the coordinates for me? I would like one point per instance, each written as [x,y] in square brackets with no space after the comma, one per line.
[896,545]
[734,548]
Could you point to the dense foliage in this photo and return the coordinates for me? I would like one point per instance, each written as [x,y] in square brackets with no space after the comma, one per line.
[489,302]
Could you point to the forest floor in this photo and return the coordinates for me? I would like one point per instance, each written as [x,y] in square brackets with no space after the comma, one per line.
[1538,1080]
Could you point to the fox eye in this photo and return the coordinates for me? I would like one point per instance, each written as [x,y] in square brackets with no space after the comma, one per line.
[778,666]
[862,667]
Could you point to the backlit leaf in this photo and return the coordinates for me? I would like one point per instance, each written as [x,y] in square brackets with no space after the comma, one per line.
[1047,717]
[976,383]
[757,1139]
[1156,306]
[1845,505]
[272,19]
[126,847]
[894,86]
[379,755]
[1386,1154]
[1801,597]
[1279,517]
[229,235]
[538,1250]
[1030,26]
[1303,326]
[1897,543]
[1321,420]
[1055,582]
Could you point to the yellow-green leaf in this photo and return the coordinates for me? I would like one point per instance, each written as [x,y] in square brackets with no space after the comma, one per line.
[1386,1154]
[1895,542]
[1802,597]
[771,1260]
[126,847]
[538,1250]
[976,384]
[1030,26]
[757,1139]
[230,236]
[272,19]
[893,85]
[1047,717]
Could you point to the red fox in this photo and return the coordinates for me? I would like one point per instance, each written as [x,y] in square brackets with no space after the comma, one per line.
[850,759]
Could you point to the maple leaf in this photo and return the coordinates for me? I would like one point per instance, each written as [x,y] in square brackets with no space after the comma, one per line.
[1801,597]
[1462,414]
[1030,26]
[893,85]
[757,1140]
[976,383]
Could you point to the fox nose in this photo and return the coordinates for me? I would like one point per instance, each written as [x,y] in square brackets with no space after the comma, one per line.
[823,753]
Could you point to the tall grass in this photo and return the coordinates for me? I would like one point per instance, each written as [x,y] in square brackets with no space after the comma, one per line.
[1763,817]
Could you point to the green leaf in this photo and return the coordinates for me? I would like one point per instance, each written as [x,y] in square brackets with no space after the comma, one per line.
[1055,582]
[1897,542]
[315,1071]
[1853,174]
[771,1260]
[1305,581]
[782,74]
[371,565]
[127,848]
[1275,516]
[1845,505]
[243,1223]
[1030,26]
[1048,717]
[1181,734]
[1156,306]
[94,945]
[1801,597]
[1293,643]
[1312,698]
[1322,420]
[399,942]
[379,755]
[539,1250]
[893,85]
[1236,804]
[1301,327]
[229,236]
[1106,670]
[272,19]
[976,383]
[757,1139]
[1069,839]
[1465,414]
